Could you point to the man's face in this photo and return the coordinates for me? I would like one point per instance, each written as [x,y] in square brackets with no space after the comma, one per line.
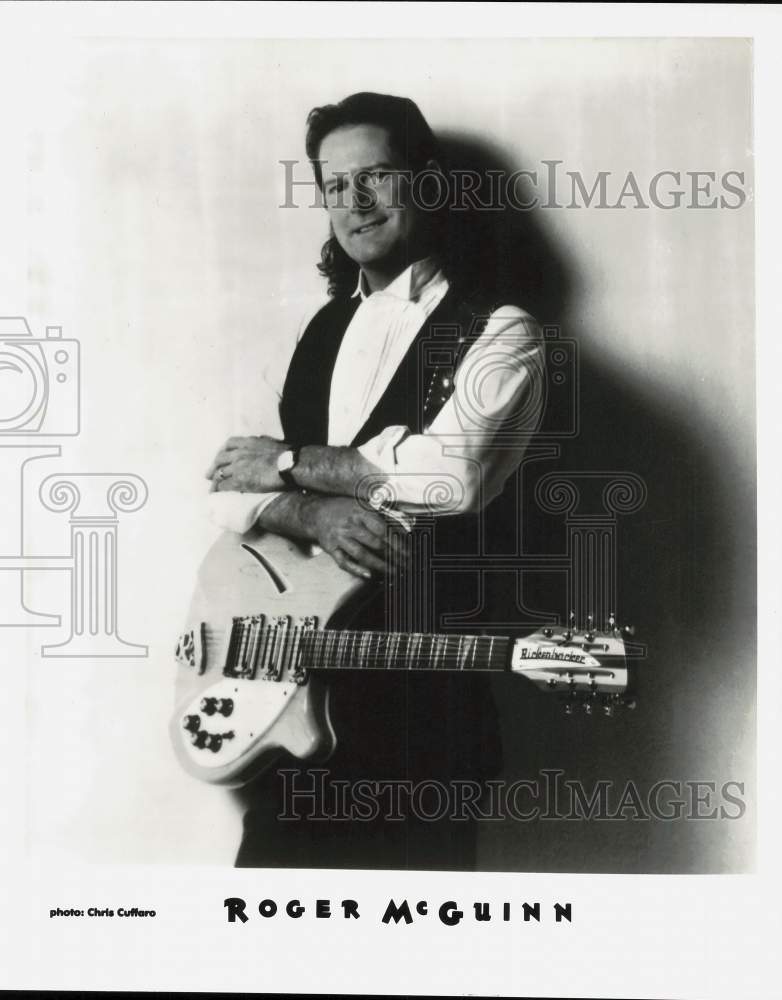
[366,196]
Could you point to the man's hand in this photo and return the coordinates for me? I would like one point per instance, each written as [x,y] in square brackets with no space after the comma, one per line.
[356,538]
[247,465]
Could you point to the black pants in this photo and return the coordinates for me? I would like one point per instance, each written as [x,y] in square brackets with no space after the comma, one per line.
[406,744]
[277,835]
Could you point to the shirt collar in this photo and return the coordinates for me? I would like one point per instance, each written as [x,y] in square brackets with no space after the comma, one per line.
[409,285]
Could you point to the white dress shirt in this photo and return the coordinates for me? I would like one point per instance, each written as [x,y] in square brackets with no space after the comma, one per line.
[462,460]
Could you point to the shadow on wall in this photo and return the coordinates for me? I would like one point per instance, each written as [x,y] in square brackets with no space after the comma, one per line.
[686,580]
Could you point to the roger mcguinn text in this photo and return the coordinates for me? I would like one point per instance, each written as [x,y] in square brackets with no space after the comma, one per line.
[449,912]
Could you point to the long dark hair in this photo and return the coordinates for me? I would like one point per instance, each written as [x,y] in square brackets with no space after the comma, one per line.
[472,250]
[410,136]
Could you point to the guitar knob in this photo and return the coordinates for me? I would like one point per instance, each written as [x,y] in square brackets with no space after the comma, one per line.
[209,705]
[225,706]
[192,723]
[608,710]
[200,739]
[548,632]
[215,742]
[587,708]
[568,708]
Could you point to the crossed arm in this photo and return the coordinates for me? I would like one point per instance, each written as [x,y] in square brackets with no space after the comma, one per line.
[327,512]
[458,464]
[249,465]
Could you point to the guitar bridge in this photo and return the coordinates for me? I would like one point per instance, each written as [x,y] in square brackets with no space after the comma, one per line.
[248,638]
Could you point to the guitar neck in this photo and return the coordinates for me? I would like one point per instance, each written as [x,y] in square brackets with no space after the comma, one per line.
[274,648]
[594,659]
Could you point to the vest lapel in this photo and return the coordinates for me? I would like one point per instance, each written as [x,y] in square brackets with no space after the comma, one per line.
[304,408]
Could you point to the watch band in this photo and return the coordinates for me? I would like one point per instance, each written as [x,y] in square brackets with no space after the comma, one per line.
[286,474]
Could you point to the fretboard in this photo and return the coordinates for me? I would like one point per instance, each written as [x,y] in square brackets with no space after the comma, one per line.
[347,650]
[255,649]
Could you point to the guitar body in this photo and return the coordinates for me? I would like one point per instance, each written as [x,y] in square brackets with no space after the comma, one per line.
[244,576]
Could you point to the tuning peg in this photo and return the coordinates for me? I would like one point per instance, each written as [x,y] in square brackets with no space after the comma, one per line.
[590,635]
[571,624]
[611,621]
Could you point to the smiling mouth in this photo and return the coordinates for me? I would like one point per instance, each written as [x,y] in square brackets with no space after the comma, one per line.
[368,227]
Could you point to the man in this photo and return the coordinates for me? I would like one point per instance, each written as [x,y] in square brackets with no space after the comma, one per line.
[360,403]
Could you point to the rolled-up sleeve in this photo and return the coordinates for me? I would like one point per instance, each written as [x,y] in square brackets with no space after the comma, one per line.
[477,440]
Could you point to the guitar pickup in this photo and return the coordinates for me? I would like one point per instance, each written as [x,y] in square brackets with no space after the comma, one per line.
[279,651]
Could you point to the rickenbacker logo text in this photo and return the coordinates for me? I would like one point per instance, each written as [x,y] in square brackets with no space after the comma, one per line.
[541,653]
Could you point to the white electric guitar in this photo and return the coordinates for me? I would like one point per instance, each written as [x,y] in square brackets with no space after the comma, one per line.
[254,660]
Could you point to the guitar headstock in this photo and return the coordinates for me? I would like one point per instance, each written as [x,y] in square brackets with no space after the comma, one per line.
[587,666]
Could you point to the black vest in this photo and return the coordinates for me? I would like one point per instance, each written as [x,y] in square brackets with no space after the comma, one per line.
[418,390]
[404,725]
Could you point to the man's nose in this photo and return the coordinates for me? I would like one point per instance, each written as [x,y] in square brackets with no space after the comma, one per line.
[361,197]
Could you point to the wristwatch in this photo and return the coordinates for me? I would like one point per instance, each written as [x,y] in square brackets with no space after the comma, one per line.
[286,463]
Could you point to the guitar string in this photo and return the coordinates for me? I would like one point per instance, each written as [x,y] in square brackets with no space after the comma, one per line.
[280,648]
[253,642]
